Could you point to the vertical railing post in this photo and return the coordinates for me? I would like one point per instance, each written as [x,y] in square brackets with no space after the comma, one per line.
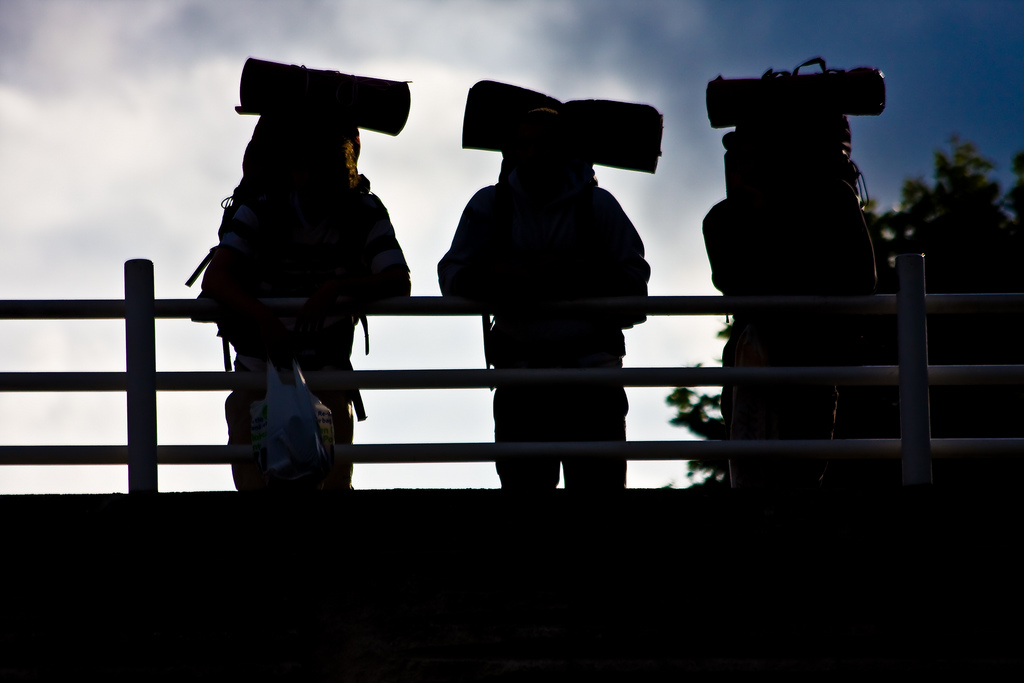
[912,337]
[140,364]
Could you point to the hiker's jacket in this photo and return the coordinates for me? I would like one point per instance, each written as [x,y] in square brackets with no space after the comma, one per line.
[291,257]
[580,244]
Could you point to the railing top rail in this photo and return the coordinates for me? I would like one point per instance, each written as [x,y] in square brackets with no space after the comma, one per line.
[627,305]
[62,309]
[205,309]
[647,305]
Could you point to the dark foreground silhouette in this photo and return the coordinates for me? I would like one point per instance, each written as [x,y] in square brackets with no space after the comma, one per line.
[647,585]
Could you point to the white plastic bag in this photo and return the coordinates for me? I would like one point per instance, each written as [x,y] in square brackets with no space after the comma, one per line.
[292,432]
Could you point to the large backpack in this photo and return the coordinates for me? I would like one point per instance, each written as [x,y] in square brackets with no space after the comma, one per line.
[262,164]
[792,220]
[237,331]
[792,223]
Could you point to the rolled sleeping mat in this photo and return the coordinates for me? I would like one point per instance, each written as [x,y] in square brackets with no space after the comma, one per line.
[372,103]
[858,92]
[608,133]
[492,111]
[617,134]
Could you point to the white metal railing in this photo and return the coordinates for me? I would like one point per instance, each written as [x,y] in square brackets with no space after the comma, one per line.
[141,381]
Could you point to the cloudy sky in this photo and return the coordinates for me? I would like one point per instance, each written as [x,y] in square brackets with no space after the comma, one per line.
[118,140]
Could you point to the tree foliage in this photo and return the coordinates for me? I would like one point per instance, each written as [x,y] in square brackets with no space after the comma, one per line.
[970,233]
[701,414]
[968,230]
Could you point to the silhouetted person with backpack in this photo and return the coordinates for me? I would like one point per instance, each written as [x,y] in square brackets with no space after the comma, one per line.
[791,224]
[302,223]
[546,232]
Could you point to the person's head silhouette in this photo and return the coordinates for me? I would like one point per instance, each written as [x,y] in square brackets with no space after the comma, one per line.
[541,153]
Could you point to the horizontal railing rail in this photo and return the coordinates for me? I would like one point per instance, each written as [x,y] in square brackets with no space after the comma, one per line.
[869,375]
[469,452]
[204,309]
[141,381]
